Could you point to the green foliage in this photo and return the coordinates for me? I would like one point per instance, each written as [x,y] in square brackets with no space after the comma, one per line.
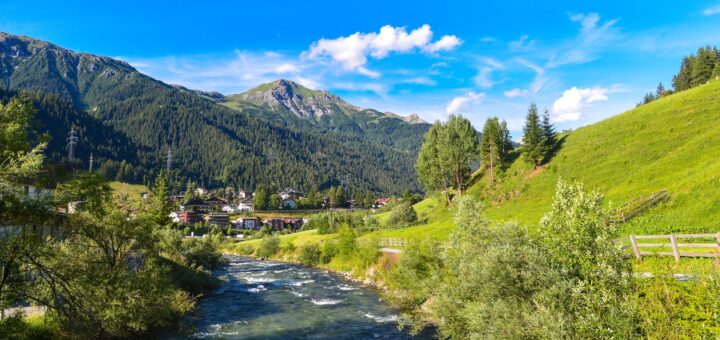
[201,253]
[329,250]
[446,154]
[416,271]
[533,147]
[268,247]
[346,243]
[310,254]
[88,191]
[697,69]
[160,207]
[18,327]
[495,146]
[245,249]
[403,215]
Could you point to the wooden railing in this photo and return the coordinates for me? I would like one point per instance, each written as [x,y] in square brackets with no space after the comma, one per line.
[392,242]
[638,204]
[672,242]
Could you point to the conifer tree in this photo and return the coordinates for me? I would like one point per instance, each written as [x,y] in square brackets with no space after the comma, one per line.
[491,146]
[331,197]
[660,91]
[716,72]
[533,141]
[549,133]
[339,197]
[682,80]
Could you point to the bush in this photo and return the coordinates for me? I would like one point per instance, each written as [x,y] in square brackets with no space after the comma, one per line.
[245,249]
[310,254]
[269,246]
[201,253]
[403,215]
[329,250]
[346,242]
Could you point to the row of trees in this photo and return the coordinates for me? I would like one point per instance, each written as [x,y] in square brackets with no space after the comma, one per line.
[697,69]
[446,154]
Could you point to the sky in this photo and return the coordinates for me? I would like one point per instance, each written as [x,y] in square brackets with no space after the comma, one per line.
[583,61]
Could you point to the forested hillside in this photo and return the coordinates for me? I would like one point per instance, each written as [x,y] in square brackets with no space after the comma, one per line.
[129,121]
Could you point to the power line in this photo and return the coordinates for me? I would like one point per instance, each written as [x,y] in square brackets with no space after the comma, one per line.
[72,140]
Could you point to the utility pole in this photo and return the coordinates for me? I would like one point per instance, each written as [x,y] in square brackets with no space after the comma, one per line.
[91,162]
[72,140]
[169,159]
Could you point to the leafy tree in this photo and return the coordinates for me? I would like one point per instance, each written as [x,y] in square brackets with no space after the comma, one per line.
[274,202]
[339,197]
[369,200]
[261,198]
[268,247]
[332,197]
[310,254]
[533,141]
[88,191]
[403,214]
[429,166]
[594,296]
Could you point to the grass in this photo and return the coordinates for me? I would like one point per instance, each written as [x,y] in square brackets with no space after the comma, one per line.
[672,143]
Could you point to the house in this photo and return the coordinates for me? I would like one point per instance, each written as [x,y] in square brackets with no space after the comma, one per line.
[174,216]
[229,209]
[380,202]
[247,223]
[189,217]
[245,194]
[246,205]
[200,191]
[274,223]
[216,203]
[288,203]
[218,219]
[196,204]
[293,223]
[290,193]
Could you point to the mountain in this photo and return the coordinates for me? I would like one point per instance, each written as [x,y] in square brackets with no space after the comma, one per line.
[212,144]
[291,103]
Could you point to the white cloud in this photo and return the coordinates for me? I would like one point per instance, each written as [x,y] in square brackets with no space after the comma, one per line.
[522,44]
[352,51]
[570,106]
[484,76]
[422,81]
[446,43]
[516,93]
[463,102]
[712,10]
[593,36]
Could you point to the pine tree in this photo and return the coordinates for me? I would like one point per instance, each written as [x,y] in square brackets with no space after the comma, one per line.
[160,204]
[369,200]
[660,91]
[261,198]
[703,65]
[491,146]
[549,134]
[682,80]
[507,144]
[716,72]
[533,141]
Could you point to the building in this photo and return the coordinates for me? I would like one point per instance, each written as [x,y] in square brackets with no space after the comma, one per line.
[274,223]
[246,205]
[247,223]
[293,223]
[218,219]
[189,217]
[245,194]
[288,203]
[196,204]
[290,193]
[216,203]
[229,209]
[380,202]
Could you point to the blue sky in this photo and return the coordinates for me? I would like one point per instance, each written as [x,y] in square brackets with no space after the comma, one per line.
[584,61]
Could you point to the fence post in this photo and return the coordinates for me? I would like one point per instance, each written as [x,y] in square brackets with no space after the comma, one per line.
[676,252]
[635,248]
[717,251]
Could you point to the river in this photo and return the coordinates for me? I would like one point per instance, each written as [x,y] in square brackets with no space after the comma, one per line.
[276,300]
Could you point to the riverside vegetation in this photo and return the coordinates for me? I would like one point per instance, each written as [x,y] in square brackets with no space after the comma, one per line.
[106,271]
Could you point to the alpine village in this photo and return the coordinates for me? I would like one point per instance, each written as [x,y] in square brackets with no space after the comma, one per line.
[560,185]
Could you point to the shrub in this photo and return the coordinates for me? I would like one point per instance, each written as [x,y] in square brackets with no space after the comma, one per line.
[329,250]
[245,249]
[346,242]
[310,254]
[201,253]
[269,246]
[403,215]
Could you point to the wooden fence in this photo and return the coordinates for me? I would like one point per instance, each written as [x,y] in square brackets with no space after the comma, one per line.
[638,204]
[676,247]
